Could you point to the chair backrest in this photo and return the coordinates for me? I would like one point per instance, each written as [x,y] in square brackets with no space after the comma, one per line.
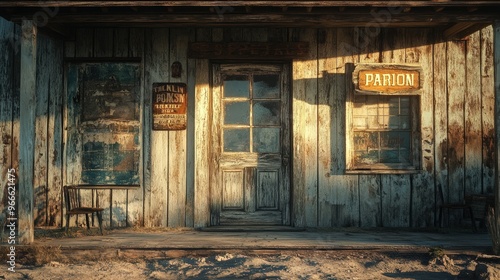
[72,197]
[480,204]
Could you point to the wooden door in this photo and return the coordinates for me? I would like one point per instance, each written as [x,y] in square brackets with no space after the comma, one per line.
[251,145]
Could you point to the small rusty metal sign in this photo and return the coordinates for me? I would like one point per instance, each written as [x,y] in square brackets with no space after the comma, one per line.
[169,106]
[379,78]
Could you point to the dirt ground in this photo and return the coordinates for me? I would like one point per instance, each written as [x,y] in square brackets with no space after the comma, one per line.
[43,262]
[339,264]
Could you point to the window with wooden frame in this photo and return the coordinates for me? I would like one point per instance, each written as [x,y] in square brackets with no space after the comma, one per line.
[383,130]
[104,123]
[383,134]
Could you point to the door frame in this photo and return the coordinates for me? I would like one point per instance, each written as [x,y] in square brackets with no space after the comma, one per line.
[215,201]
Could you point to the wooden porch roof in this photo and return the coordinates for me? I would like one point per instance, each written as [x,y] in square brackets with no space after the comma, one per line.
[456,19]
[307,3]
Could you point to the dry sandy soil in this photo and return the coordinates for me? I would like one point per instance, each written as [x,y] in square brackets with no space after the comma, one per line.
[434,264]
[41,262]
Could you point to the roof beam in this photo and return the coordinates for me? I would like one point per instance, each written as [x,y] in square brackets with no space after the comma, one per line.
[344,17]
[229,3]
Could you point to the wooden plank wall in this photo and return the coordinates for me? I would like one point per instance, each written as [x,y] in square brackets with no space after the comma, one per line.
[9,103]
[27,101]
[323,194]
[49,132]
[457,126]
[101,45]
[305,132]
[487,106]
[161,201]
[456,156]
[47,171]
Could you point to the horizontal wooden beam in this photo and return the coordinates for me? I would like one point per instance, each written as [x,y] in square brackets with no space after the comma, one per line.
[307,19]
[251,24]
[248,50]
[146,3]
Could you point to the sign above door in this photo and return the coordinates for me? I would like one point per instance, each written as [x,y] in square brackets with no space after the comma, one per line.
[248,50]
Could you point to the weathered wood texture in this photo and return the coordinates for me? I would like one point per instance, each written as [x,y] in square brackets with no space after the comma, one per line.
[323,195]
[156,193]
[496,65]
[116,44]
[422,184]
[49,156]
[373,192]
[346,187]
[225,3]
[127,205]
[27,101]
[190,138]
[487,112]
[7,35]
[305,136]
[456,123]
[202,155]
[440,121]
[177,172]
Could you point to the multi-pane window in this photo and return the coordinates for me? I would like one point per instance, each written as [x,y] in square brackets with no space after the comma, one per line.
[252,113]
[383,132]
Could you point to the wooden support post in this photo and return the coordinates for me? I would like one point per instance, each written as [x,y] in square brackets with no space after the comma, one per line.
[496,65]
[27,131]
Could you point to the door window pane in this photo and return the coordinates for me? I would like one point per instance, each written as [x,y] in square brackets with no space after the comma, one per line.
[266,113]
[266,86]
[236,86]
[266,140]
[251,112]
[237,113]
[236,140]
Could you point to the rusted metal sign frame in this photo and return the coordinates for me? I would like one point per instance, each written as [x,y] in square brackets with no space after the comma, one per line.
[169,110]
[387,79]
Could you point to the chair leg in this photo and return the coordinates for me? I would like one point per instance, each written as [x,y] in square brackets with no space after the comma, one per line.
[88,221]
[67,222]
[472,219]
[99,219]
[440,216]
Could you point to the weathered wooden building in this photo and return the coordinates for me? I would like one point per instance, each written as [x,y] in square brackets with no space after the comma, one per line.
[205,113]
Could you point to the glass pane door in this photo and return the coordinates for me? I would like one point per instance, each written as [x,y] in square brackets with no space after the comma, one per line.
[251,106]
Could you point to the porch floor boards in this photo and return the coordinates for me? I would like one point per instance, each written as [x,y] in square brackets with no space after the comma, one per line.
[128,239]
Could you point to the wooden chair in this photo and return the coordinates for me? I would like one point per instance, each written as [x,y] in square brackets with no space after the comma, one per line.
[480,204]
[74,207]
[464,206]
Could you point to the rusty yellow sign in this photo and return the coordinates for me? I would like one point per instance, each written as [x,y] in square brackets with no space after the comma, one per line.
[387,79]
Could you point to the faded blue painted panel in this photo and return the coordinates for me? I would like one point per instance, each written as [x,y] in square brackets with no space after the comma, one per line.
[74,137]
[109,92]
[107,109]
[109,177]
